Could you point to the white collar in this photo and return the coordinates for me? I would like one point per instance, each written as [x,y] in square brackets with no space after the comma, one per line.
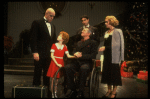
[86,26]
[107,34]
[58,47]
[44,18]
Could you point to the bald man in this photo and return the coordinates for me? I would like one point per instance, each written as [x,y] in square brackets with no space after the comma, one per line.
[42,37]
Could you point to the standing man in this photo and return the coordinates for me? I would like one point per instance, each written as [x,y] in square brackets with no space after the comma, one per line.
[42,37]
[94,35]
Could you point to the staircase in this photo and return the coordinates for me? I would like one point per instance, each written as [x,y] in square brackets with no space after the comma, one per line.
[20,66]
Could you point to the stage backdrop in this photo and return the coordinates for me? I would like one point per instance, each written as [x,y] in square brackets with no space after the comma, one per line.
[22,14]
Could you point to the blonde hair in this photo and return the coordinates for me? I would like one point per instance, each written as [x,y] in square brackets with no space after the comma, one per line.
[112,20]
[65,37]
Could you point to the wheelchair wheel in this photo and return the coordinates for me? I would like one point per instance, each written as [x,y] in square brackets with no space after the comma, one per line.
[94,82]
[59,84]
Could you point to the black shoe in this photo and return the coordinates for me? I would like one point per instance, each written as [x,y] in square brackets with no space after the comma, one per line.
[106,96]
[80,95]
[71,94]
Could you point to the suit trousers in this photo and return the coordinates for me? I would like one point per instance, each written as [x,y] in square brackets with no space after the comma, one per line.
[71,69]
[42,64]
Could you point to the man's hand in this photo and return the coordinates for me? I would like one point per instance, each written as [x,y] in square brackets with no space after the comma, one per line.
[78,54]
[36,56]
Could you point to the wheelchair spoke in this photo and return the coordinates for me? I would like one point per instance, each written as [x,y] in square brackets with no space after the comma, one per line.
[59,88]
[94,83]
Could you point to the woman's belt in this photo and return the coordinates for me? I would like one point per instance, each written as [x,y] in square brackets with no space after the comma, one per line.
[58,57]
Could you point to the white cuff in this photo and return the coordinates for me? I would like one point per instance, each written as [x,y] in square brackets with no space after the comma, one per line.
[66,52]
[52,50]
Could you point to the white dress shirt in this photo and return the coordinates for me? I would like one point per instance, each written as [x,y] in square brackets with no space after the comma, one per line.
[86,26]
[48,26]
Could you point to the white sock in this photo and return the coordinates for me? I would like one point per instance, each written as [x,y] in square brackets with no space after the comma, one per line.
[52,95]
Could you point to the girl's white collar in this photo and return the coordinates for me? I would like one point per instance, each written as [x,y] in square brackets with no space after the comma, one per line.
[58,46]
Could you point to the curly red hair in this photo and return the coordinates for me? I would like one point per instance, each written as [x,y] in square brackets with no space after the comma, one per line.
[65,37]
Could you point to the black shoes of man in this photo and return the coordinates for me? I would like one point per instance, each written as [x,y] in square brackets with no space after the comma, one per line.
[74,94]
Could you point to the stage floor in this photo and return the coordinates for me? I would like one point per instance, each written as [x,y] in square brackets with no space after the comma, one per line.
[130,87]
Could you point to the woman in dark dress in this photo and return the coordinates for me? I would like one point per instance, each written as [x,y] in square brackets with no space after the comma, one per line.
[113,54]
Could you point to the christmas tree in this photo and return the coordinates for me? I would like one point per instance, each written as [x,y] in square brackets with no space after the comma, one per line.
[134,24]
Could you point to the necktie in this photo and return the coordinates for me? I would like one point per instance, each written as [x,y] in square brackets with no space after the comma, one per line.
[82,40]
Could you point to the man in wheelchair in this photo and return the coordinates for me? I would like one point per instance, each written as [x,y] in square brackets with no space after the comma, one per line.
[85,51]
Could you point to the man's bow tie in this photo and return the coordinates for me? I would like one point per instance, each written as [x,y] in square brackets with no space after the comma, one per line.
[47,21]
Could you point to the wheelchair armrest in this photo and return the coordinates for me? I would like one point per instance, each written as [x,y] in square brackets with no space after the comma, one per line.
[95,63]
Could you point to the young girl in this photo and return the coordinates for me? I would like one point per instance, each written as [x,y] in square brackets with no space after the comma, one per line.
[57,53]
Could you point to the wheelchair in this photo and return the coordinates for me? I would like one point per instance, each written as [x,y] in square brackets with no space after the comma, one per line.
[93,81]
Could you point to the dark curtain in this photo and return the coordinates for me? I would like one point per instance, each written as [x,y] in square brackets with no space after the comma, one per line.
[5,11]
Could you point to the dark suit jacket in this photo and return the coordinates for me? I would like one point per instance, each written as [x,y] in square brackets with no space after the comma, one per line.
[89,49]
[40,40]
[95,34]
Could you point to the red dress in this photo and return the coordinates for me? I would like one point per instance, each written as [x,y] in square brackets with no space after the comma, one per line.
[58,53]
